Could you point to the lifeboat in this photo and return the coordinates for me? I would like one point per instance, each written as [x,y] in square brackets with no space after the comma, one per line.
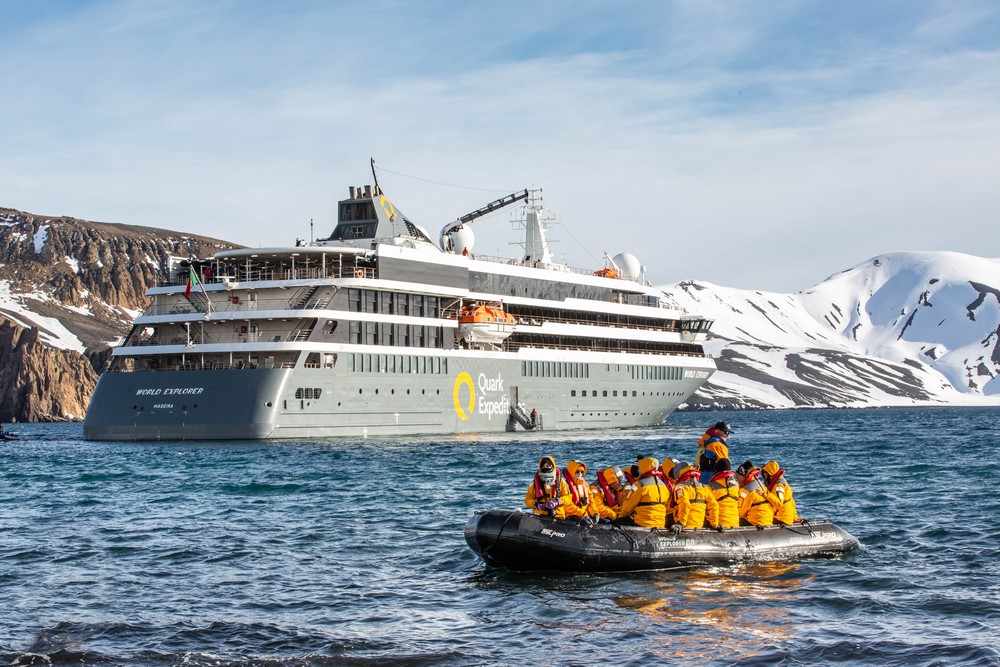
[606,272]
[485,324]
[525,541]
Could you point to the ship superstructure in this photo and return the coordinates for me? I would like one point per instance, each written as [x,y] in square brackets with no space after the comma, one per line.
[376,330]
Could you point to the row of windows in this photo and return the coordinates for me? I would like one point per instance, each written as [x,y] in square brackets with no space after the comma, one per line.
[393,303]
[313,361]
[397,363]
[554,369]
[308,393]
[624,393]
[656,372]
[389,333]
[357,210]
[524,339]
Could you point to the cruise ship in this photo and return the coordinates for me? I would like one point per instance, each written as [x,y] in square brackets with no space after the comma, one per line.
[378,331]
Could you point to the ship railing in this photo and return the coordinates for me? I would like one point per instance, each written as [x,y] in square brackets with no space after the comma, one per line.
[240,274]
[538,321]
[242,305]
[233,338]
[533,264]
[207,366]
[514,347]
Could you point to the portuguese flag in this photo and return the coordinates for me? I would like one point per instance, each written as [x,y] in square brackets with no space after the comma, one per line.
[191,282]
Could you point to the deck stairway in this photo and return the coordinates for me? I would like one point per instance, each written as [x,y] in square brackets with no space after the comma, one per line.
[519,416]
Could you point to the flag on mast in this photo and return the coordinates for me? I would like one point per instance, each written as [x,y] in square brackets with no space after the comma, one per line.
[191,282]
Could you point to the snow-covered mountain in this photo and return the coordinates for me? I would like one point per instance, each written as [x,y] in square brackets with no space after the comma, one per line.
[906,328]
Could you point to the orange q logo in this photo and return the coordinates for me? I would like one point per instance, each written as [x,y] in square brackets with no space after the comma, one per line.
[464,380]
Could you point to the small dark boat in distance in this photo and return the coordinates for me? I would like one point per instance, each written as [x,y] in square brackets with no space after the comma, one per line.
[524,541]
[7,435]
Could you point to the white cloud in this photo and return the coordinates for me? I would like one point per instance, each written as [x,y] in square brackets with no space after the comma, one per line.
[755,148]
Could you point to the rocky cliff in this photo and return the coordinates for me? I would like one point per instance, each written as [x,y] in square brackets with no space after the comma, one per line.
[69,289]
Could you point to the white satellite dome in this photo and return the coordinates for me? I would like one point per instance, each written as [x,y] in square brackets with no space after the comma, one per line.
[628,264]
[458,239]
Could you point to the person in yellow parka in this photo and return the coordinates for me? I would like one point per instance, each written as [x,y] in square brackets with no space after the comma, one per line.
[726,489]
[713,446]
[693,501]
[548,493]
[757,504]
[607,492]
[647,505]
[578,506]
[774,477]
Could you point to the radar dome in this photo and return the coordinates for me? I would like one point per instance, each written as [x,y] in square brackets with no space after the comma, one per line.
[628,264]
[458,240]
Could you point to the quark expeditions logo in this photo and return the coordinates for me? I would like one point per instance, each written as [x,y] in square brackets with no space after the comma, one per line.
[489,403]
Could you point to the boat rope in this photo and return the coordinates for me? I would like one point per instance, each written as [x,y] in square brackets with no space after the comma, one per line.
[808,527]
[632,542]
[468,187]
[499,533]
[448,185]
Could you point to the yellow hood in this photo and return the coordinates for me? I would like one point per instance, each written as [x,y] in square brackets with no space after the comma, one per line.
[647,464]
[573,466]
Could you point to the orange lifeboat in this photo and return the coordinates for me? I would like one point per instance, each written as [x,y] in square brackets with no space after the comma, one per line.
[481,323]
[607,272]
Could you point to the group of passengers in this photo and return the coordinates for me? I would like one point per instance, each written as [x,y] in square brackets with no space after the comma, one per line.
[672,494]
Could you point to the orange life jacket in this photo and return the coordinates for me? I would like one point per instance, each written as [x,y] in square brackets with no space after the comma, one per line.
[580,500]
[540,491]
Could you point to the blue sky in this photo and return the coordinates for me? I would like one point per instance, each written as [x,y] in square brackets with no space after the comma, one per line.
[754,145]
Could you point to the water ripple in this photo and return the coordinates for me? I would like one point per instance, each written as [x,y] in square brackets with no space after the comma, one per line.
[352,553]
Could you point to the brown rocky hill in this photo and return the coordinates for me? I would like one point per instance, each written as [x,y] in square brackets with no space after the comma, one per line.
[69,289]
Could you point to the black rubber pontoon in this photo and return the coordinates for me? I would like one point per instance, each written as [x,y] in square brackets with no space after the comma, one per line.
[524,541]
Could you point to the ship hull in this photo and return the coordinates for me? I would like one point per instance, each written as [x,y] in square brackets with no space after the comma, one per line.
[372,394]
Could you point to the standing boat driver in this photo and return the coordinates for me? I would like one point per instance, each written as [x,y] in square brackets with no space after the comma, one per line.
[578,507]
[647,505]
[774,477]
[548,492]
[713,446]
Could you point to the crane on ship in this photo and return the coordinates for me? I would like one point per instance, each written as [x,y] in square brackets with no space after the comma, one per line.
[448,242]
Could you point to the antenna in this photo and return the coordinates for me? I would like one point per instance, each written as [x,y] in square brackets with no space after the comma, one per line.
[377,189]
[310,231]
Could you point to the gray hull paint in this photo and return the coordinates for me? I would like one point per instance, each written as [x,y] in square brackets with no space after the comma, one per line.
[473,395]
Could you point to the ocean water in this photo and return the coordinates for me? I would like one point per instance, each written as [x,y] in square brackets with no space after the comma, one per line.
[346,552]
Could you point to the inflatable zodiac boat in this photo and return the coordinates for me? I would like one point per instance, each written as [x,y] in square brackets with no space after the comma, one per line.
[524,541]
